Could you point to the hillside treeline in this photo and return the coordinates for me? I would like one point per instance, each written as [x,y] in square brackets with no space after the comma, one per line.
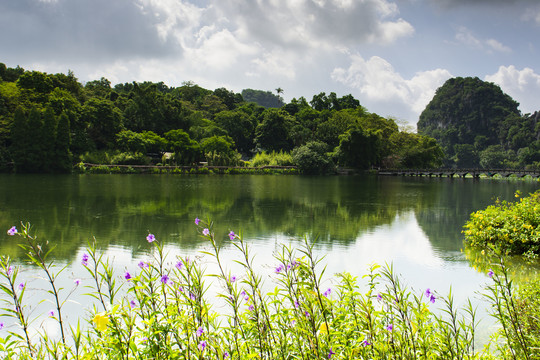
[48,122]
[478,125]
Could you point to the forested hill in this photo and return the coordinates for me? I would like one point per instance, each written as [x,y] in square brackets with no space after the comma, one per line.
[48,122]
[478,125]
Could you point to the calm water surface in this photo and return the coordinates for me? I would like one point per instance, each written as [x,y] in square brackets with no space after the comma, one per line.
[413,223]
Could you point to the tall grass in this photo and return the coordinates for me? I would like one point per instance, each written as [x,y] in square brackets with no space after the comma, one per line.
[164,310]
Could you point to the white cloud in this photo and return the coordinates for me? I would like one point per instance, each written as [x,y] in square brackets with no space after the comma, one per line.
[522,85]
[466,37]
[377,80]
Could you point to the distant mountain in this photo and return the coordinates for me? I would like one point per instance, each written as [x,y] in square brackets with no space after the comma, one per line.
[477,124]
[262,98]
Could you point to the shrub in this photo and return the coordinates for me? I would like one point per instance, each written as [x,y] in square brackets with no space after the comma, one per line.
[509,228]
[312,158]
[272,159]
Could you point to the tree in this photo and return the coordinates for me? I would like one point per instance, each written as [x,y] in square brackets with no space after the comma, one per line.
[312,158]
[359,148]
[273,131]
[186,151]
[262,98]
[239,126]
[104,122]
[219,150]
[62,144]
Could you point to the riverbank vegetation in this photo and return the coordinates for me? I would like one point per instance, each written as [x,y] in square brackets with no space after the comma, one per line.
[163,308]
[48,122]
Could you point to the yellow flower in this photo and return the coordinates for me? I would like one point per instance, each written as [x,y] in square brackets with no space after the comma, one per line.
[101,320]
[323,328]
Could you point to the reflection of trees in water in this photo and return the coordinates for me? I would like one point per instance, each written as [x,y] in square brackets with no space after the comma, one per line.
[119,210]
[451,201]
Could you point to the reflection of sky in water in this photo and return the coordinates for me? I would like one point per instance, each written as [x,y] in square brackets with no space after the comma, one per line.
[401,243]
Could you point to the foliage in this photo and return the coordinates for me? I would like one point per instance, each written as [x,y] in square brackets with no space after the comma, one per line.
[272,159]
[312,158]
[508,228]
[262,98]
[219,150]
[359,148]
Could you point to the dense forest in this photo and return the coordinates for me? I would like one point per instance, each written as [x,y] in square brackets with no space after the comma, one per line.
[48,122]
[478,125]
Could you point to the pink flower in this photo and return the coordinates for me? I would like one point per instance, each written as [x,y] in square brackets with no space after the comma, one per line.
[12,231]
[150,238]
[197,221]
[206,232]
[77,282]
[232,235]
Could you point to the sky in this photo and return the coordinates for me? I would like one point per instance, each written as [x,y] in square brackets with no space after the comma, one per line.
[391,55]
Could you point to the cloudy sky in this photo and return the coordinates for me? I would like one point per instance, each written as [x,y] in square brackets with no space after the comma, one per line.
[390,54]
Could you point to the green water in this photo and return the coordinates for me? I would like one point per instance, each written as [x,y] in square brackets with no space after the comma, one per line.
[413,223]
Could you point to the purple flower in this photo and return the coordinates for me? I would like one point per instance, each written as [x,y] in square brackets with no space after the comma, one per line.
[366,343]
[327,292]
[21,286]
[132,304]
[143,265]
[225,355]
[490,273]
[206,232]
[432,298]
[428,292]
[232,235]
[77,282]
[200,331]
[12,231]
[306,313]
[84,260]
[202,345]
[331,353]
[390,327]
[197,221]
[179,265]
[232,279]
[192,296]
[51,313]
[127,276]
[1,325]
[144,340]
[10,271]
[150,238]
[165,279]
[251,308]
[279,268]
[296,304]
[379,297]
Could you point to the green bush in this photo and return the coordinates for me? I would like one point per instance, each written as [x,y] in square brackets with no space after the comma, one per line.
[312,158]
[272,159]
[509,228]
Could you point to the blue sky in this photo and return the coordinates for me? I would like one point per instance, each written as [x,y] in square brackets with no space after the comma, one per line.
[390,54]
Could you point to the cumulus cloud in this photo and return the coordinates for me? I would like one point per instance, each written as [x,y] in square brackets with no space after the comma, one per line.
[522,85]
[377,80]
[451,3]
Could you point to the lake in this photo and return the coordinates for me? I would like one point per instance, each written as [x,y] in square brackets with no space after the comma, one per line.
[353,221]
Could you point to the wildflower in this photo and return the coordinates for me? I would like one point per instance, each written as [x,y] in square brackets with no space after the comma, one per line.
[179,265]
[279,268]
[132,304]
[200,331]
[232,279]
[306,313]
[432,298]
[21,286]
[12,231]
[127,276]
[331,353]
[225,355]
[202,345]
[390,327]
[10,270]
[490,273]
[379,297]
[150,238]
[165,279]
[143,265]
[197,221]
[77,282]
[296,304]
[327,292]
[51,313]
[101,320]
[1,325]
[192,296]
[366,343]
[206,232]
[251,308]
[84,260]
[428,292]
[232,235]
[144,340]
